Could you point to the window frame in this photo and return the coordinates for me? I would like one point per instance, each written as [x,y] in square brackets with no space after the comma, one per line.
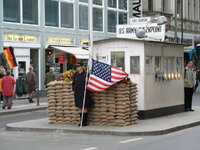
[139,67]
[21,16]
[118,11]
[59,16]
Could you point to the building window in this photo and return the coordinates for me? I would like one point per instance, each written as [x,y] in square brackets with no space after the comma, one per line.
[67,15]
[11,10]
[149,65]
[117,59]
[122,18]
[83,1]
[179,65]
[112,3]
[51,13]
[83,17]
[178,7]
[168,65]
[97,19]
[97,2]
[150,5]
[122,4]
[157,65]
[135,65]
[112,21]
[30,11]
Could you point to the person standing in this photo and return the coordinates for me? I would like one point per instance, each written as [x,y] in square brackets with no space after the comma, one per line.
[78,87]
[50,76]
[31,84]
[8,90]
[189,79]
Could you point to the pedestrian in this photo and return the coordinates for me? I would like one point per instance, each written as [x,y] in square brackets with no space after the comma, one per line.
[31,84]
[50,76]
[198,80]
[78,86]
[2,74]
[8,90]
[189,82]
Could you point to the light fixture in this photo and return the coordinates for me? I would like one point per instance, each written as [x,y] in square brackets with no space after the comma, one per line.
[176,75]
[169,76]
[172,76]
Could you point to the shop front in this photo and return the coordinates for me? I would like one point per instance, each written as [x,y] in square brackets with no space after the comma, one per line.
[26,50]
[156,67]
[62,55]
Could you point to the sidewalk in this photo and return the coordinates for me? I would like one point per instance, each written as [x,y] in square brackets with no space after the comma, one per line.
[22,105]
[156,126]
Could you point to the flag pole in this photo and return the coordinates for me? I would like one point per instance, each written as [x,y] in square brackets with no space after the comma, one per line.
[90,27]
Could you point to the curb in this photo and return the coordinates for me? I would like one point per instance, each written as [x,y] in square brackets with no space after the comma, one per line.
[9,127]
[8,112]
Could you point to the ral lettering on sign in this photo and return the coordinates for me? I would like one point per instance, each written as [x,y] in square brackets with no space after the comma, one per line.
[137,8]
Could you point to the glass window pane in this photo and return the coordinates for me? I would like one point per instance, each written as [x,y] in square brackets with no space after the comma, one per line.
[112,3]
[51,13]
[11,10]
[112,21]
[168,65]
[67,15]
[117,59]
[149,65]
[30,11]
[157,64]
[97,2]
[97,19]
[135,65]
[123,4]
[84,1]
[83,17]
[122,18]
[179,65]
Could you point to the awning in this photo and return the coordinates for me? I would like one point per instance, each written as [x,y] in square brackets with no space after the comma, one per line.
[78,52]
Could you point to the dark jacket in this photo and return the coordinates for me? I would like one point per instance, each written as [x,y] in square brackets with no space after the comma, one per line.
[50,76]
[78,86]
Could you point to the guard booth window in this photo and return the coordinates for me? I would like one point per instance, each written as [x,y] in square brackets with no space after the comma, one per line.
[135,65]
[117,59]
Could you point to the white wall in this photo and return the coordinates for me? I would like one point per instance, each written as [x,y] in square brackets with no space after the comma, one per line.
[131,48]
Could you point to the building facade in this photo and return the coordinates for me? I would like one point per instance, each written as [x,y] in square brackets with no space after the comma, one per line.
[191,18]
[31,26]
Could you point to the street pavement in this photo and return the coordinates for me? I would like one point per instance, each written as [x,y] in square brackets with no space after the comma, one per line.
[155,126]
[22,105]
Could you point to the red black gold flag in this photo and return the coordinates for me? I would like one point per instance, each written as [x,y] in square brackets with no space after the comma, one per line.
[10,57]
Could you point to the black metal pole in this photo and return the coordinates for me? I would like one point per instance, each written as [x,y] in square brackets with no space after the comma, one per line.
[38,98]
[181,21]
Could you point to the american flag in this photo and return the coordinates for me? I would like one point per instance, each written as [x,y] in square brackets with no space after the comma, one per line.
[103,76]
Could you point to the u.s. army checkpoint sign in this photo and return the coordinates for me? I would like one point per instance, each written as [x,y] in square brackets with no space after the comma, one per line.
[153,31]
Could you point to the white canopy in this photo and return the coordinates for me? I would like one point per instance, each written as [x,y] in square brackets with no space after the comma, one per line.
[78,52]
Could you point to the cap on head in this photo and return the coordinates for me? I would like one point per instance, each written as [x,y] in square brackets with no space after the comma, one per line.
[79,64]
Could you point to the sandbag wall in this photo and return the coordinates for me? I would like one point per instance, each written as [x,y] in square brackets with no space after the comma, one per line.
[115,106]
[61,106]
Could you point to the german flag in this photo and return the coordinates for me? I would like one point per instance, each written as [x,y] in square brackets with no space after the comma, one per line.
[10,57]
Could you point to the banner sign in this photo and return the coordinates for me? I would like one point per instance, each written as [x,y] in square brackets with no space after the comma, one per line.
[153,31]
[137,8]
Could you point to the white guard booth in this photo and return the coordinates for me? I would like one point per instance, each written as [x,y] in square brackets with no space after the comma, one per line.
[156,67]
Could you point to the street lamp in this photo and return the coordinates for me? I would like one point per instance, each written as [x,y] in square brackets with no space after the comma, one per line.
[141,33]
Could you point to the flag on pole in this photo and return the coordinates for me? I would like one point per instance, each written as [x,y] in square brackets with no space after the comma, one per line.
[103,76]
[10,57]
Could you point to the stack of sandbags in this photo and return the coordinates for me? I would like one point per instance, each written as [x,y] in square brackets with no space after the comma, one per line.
[133,102]
[51,94]
[61,108]
[122,104]
[116,106]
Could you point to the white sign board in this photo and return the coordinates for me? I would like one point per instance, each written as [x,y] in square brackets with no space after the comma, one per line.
[140,20]
[153,31]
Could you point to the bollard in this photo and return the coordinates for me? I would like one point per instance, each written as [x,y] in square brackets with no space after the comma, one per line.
[38,99]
